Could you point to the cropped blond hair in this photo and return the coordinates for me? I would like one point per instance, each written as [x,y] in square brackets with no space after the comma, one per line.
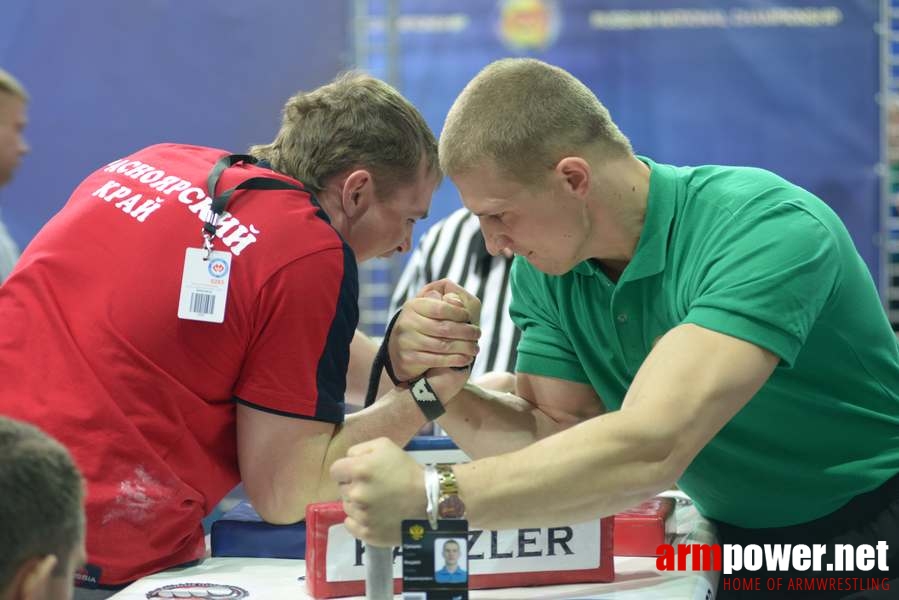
[354,121]
[525,115]
[11,85]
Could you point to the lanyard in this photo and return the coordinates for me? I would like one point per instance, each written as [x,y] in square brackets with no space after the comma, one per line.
[220,202]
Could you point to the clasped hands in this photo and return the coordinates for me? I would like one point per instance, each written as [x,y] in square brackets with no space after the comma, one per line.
[436,330]
[379,483]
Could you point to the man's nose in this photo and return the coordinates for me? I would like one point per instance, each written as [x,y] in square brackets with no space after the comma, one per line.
[493,239]
[496,243]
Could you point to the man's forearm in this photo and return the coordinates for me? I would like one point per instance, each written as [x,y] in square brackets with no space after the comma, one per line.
[481,422]
[595,469]
[362,354]
[284,471]
[395,415]
[486,423]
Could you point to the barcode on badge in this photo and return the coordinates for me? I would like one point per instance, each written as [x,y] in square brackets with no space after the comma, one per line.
[202,304]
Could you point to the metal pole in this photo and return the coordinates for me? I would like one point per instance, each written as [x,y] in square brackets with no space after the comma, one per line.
[378,573]
[378,561]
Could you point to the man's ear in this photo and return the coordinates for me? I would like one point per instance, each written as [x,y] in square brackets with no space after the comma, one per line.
[357,194]
[575,172]
[33,578]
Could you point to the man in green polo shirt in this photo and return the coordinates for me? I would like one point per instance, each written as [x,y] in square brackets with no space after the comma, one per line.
[709,326]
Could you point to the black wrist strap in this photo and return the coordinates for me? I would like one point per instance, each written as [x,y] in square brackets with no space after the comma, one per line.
[421,390]
[388,366]
[382,361]
[426,398]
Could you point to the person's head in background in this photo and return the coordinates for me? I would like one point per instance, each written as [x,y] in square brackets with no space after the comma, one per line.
[41,515]
[366,153]
[13,118]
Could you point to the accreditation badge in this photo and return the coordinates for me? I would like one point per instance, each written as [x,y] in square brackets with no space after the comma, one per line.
[435,561]
[204,285]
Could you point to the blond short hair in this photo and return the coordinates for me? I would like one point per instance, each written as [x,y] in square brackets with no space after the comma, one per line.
[11,85]
[525,115]
[354,121]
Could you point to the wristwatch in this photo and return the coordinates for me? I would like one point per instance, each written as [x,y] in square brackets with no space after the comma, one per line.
[449,505]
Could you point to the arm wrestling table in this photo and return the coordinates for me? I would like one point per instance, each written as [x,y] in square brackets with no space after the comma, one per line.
[232,577]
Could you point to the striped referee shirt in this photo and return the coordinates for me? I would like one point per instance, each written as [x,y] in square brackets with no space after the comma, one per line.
[454,248]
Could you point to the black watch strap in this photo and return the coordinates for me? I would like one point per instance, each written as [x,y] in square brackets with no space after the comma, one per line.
[426,398]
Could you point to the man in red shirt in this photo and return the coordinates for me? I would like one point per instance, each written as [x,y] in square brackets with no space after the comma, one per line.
[184,322]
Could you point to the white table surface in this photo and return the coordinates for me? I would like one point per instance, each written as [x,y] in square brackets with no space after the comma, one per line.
[635,577]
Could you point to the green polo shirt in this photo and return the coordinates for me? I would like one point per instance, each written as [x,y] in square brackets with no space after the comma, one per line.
[743,252]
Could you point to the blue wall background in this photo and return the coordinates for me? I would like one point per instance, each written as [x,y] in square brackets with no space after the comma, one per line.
[109,77]
[787,85]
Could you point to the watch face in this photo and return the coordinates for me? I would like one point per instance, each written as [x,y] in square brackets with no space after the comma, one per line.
[451,507]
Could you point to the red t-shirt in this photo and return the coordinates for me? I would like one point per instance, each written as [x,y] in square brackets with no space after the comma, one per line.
[92,349]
